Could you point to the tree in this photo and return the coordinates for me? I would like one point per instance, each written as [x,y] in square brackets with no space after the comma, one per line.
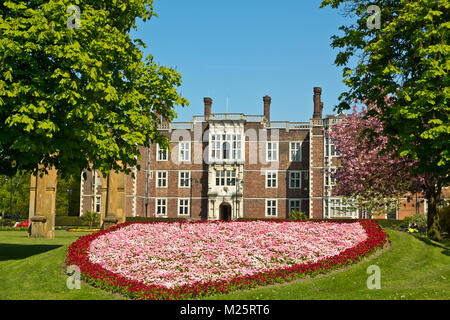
[15,194]
[367,171]
[77,94]
[406,58]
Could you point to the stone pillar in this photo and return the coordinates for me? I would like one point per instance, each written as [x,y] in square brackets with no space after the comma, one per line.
[116,205]
[42,205]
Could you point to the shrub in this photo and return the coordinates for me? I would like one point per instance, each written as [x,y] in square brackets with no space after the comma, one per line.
[420,219]
[91,218]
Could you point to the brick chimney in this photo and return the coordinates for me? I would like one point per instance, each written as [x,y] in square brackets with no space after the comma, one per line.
[318,104]
[208,103]
[267,101]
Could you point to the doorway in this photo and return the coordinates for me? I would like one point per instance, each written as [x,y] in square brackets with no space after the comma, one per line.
[225,212]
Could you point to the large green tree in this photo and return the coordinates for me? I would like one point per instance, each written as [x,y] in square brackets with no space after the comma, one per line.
[78,93]
[400,49]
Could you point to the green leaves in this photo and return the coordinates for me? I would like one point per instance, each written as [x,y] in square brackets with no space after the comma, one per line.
[76,98]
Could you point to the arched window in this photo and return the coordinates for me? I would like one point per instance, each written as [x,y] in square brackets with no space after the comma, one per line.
[226,150]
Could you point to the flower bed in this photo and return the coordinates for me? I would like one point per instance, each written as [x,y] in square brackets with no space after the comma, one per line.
[177,260]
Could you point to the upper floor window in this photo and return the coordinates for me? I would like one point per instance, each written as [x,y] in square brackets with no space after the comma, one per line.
[330,148]
[272,151]
[271,179]
[161,179]
[226,147]
[295,151]
[295,179]
[96,180]
[184,178]
[330,179]
[161,154]
[185,151]
[225,178]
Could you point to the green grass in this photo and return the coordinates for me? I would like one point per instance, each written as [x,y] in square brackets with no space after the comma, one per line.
[412,268]
[34,268]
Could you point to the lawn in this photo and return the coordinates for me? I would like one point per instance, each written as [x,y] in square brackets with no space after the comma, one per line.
[412,268]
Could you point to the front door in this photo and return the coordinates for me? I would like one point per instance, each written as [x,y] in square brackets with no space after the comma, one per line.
[225,212]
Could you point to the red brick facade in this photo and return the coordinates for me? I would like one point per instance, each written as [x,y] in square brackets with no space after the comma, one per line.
[298,180]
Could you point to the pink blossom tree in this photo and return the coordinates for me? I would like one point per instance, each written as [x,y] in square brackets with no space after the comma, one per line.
[367,171]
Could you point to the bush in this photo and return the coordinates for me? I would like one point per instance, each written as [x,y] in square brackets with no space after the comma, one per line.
[7,222]
[297,215]
[420,219]
[91,218]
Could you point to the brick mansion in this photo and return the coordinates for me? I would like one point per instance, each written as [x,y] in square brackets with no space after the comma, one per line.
[229,166]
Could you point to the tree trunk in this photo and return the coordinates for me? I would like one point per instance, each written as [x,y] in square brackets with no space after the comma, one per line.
[433,225]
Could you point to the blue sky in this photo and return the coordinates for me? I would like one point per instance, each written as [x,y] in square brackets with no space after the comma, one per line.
[246,49]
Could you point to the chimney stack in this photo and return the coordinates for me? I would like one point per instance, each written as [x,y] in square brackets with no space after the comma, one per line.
[208,103]
[318,104]
[267,101]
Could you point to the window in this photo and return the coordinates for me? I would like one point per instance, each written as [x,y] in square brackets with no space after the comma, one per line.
[295,181]
[330,180]
[236,147]
[98,201]
[185,151]
[330,149]
[184,178]
[183,207]
[96,180]
[161,207]
[295,205]
[340,208]
[295,151]
[161,179]
[272,151]
[226,147]
[271,179]
[271,207]
[161,154]
[225,178]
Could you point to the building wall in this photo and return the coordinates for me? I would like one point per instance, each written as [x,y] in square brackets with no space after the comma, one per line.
[142,192]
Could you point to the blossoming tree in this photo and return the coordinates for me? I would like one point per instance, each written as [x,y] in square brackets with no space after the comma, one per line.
[367,171]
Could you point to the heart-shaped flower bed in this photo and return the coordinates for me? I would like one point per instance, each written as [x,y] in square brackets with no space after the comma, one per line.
[166,260]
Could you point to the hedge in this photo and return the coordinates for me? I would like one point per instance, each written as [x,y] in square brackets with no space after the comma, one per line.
[72,221]
[151,219]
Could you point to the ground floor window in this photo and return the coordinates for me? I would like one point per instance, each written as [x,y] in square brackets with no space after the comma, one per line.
[340,208]
[271,207]
[295,205]
[98,202]
[183,207]
[161,207]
